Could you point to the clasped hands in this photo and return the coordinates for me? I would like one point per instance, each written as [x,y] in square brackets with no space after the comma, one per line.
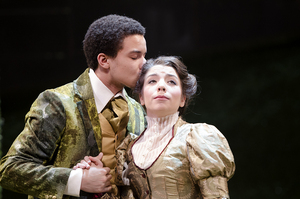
[95,177]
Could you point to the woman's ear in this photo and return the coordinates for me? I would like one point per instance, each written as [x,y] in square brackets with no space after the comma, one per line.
[102,60]
[142,99]
[182,103]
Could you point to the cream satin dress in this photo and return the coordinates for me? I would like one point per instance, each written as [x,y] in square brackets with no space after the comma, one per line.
[196,163]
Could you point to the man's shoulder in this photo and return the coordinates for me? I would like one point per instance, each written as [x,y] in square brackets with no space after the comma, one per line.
[55,96]
[70,89]
[64,92]
[66,89]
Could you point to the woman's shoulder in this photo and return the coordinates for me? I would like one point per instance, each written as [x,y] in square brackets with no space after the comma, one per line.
[207,134]
[198,128]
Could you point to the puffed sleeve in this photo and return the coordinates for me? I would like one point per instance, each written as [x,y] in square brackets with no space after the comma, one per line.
[211,160]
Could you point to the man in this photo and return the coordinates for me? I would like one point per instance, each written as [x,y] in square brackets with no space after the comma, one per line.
[66,124]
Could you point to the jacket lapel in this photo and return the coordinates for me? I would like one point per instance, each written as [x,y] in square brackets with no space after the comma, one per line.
[85,101]
[84,98]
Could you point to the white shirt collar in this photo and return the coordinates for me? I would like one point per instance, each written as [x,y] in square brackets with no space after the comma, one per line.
[102,94]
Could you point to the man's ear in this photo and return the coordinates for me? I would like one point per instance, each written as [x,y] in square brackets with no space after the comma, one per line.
[102,60]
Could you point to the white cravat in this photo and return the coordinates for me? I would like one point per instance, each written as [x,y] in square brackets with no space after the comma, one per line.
[154,140]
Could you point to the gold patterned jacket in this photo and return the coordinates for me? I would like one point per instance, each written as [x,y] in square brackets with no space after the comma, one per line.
[59,131]
[197,163]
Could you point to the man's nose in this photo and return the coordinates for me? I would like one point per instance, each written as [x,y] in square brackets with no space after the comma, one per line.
[144,61]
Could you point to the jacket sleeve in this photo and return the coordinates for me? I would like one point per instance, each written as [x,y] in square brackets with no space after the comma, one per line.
[211,160]
[27,168]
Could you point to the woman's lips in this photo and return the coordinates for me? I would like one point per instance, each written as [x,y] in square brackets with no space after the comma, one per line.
[161,97]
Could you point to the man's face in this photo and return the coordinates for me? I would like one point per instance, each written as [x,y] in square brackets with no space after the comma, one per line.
[125,68]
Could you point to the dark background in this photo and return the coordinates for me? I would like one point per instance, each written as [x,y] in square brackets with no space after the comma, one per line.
[246,55]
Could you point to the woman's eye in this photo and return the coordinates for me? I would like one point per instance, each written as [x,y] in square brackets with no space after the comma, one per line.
[172,82]
[151,81]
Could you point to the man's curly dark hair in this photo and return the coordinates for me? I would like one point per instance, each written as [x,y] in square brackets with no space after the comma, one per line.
[106,35]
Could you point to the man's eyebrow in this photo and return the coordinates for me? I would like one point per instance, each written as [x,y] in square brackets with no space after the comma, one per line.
[135,51]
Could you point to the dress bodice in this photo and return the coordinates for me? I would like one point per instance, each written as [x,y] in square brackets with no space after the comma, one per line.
[170,176]
[197,163]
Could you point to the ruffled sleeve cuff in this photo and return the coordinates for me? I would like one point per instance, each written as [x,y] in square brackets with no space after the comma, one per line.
[214,187]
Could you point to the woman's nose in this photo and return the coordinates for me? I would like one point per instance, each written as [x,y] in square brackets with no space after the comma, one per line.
[161,87]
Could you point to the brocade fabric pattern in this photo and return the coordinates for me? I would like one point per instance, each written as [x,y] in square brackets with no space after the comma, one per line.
[59,131]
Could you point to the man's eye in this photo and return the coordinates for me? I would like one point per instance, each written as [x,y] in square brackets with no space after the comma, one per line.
[134,58]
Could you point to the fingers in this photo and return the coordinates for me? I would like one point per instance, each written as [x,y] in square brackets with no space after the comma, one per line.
[107,186]
[97,160]
[81,165]
[100,156]
[106,169]
[85,164]
[106,189]
[87,159]
[107,180]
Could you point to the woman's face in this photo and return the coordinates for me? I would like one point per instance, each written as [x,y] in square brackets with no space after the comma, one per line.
[162,92]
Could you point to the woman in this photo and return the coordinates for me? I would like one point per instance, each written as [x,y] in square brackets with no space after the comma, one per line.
[172,158]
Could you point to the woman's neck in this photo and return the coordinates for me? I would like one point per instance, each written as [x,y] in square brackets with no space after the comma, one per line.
[158,124]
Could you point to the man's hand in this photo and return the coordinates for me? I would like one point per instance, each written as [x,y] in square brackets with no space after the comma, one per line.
[96,179]
[87,161]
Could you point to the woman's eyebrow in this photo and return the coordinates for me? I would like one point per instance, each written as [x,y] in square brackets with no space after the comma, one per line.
[151,75]
[171,75]
[155,74]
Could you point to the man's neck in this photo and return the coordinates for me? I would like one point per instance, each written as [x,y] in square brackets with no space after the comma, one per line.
[105,77]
